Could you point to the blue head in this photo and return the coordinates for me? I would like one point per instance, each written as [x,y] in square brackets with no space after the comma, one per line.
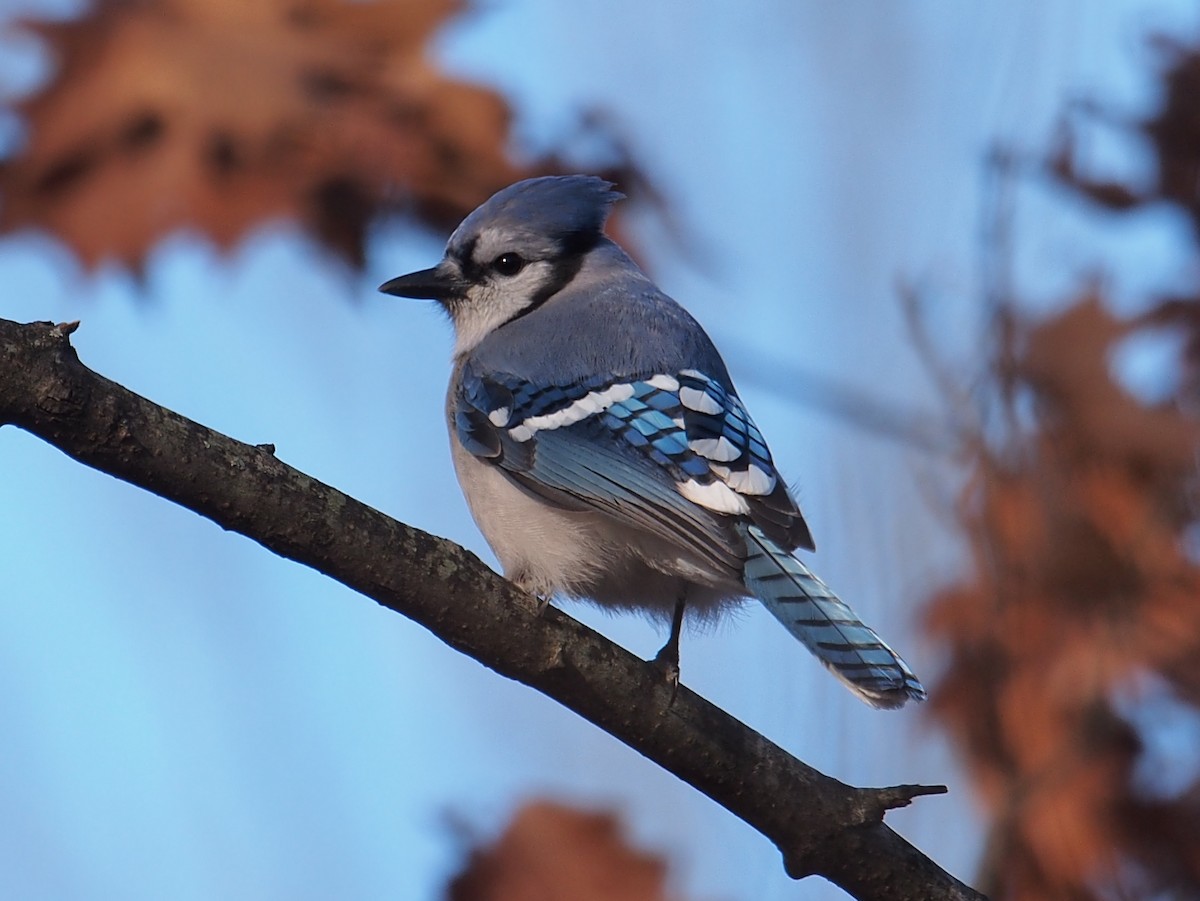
[513,253]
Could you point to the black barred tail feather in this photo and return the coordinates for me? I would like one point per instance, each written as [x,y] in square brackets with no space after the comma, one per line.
[827,627]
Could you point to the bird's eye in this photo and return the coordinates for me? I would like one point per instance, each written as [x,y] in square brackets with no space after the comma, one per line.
[508,263]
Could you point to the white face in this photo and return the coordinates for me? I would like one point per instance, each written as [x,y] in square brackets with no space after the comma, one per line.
[505,276]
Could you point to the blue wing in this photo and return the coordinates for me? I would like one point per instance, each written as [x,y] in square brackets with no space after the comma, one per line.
[674,454]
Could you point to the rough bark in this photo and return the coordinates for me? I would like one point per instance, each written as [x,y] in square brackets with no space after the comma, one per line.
[822,826]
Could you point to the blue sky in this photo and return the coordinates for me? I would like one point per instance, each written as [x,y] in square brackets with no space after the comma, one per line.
[187,716]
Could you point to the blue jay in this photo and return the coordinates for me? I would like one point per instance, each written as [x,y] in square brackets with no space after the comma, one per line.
[600,443]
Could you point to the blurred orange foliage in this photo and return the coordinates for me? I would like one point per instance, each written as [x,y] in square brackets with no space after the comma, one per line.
[220,114]
[550,852]
[1082,586]
[1083,605]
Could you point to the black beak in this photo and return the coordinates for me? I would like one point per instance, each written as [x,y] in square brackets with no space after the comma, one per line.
[428,284]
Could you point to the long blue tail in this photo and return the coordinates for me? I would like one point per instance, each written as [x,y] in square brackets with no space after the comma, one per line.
[827,627]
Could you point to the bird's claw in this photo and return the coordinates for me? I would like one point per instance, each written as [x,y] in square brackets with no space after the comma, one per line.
[667,664]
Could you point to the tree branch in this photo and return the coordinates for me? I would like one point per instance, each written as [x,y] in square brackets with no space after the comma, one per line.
[822,826]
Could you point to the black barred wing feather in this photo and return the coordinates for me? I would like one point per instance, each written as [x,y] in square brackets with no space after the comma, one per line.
[826,625]
[721,433]
[675,453]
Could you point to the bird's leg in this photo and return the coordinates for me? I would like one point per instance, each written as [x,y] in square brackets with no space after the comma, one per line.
[668,657]
[670,651]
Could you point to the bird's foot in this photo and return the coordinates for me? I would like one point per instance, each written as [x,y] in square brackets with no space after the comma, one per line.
[666,662]
[528,586]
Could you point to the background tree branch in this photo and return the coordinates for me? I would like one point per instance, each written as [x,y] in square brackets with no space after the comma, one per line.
[822,826]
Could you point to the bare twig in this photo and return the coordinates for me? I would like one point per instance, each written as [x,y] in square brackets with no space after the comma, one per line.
[822,826]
